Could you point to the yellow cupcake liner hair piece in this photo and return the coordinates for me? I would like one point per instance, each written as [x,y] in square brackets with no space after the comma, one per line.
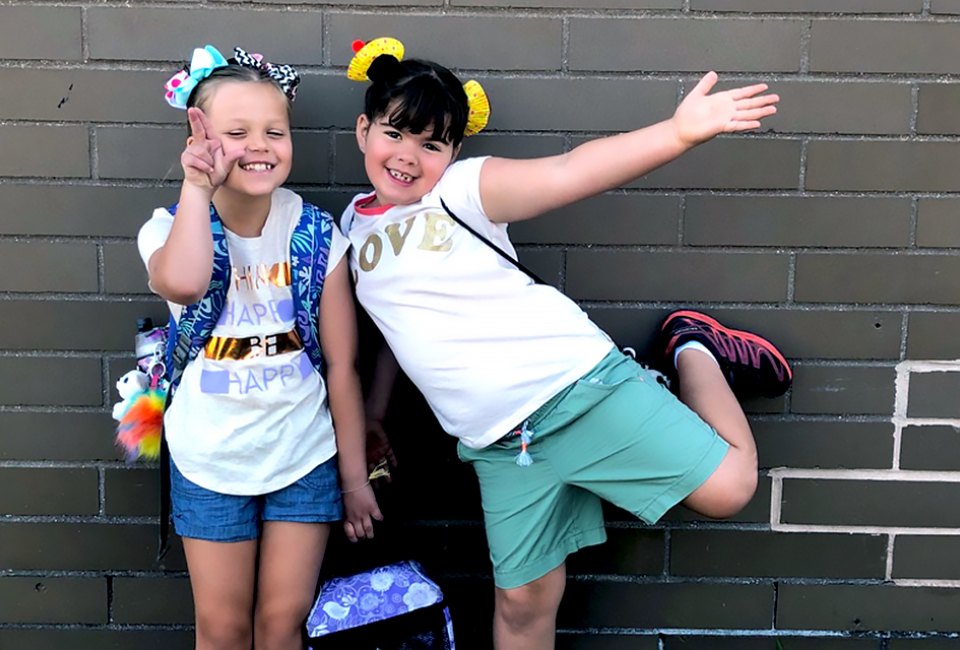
[479,108]
[365,53]
[478,105]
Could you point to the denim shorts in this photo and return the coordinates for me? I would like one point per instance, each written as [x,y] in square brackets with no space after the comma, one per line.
[616,435]
[200,513]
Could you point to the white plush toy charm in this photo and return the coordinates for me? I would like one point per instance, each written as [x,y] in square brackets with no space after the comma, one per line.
[129,385]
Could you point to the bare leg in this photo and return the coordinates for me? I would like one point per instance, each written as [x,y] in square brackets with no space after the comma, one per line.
[705,390]
[290,557]
[525,618]
[222,579]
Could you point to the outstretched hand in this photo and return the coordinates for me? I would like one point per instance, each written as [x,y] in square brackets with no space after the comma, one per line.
[701,115]
[205,164]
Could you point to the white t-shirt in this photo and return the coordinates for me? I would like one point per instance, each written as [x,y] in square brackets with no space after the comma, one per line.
[484,344]
[253,425]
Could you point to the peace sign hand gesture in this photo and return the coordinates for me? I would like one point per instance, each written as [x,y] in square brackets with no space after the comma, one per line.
[700,115]
[205,164]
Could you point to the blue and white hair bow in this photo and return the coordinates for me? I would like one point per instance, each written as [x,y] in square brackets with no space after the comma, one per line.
[202,64]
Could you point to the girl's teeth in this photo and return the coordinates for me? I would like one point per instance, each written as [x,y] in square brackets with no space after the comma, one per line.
[406,178]
[257,167]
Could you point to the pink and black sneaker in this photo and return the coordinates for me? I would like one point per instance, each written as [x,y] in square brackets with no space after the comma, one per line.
[751,364]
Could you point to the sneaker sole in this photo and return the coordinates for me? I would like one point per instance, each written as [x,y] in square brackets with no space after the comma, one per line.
[750,336]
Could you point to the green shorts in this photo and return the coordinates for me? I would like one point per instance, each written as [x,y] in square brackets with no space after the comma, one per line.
[616,434]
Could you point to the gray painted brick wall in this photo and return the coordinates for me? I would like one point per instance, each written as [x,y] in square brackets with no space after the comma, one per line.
[834,230]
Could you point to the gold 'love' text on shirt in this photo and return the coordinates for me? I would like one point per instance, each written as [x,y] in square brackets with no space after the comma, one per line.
[437,230]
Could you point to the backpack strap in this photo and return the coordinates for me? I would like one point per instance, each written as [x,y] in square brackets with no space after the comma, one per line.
[190,332]
[309,254]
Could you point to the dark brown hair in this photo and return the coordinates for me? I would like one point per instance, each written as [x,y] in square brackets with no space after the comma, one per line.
[415,95]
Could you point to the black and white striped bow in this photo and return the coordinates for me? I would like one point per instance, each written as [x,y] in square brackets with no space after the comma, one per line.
[285,75]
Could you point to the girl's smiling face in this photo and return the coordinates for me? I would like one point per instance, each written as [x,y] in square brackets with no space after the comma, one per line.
[252,117]
[402,166]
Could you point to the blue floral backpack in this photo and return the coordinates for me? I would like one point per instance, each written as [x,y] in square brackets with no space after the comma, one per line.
[392,607]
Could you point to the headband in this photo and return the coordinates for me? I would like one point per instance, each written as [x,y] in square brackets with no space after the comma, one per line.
[478,113]
[206,60]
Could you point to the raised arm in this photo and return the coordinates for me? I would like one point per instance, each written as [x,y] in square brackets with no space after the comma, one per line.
[180,270]
[338,339]
[512,190]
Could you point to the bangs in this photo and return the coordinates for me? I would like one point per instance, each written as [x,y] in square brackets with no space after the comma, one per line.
[417,96]
[422,106]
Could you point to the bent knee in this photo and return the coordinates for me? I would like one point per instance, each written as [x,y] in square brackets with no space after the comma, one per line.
[724,494]
[736,497]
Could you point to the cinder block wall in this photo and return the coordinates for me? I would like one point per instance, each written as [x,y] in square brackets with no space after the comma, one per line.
[834,230]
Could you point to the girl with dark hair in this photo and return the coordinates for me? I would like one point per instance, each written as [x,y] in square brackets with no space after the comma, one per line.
[550,414]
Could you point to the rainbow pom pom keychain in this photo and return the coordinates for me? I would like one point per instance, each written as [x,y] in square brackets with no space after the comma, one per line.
[140,414]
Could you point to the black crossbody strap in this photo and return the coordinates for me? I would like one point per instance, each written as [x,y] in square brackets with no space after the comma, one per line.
[163,533]
[533,276]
